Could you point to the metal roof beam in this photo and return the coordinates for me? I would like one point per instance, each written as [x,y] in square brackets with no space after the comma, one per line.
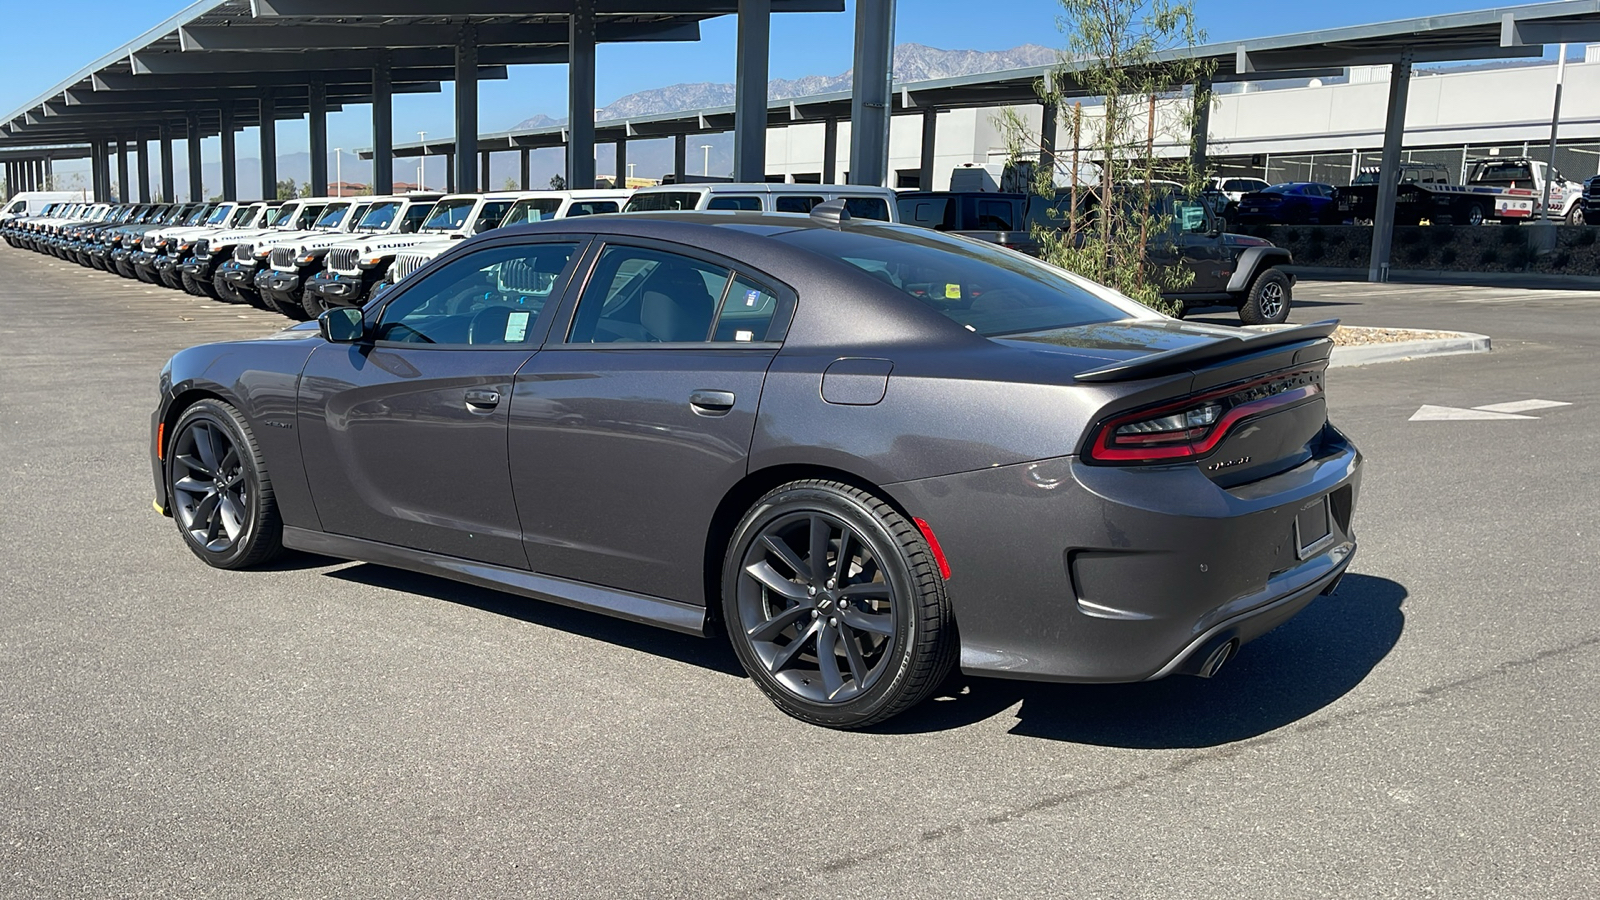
[1275,61]
[1514,33]
[209,64]
[114,82]
[341,37]
[267,9]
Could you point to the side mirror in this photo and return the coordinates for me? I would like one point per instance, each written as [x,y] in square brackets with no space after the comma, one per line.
[341,325]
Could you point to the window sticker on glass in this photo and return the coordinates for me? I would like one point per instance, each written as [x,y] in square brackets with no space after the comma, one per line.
[952,292]
[751,298]
[517,326]
[744,335]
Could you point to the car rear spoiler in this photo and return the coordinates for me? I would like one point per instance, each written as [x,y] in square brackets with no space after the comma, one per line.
[1221,348]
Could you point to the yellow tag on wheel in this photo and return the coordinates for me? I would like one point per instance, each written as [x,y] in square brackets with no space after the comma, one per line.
[952,292]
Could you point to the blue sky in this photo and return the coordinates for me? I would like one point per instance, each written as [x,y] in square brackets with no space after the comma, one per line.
[50,41]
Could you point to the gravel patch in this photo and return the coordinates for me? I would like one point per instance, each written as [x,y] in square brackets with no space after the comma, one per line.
[1355,336]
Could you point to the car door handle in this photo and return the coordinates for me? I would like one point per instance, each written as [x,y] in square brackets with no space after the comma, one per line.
[711,403]
[483,400]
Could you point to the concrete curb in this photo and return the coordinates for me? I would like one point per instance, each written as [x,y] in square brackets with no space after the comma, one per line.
[1524,280]
[1367,354]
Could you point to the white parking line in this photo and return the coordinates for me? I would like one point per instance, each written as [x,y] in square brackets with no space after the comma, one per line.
[1520,406]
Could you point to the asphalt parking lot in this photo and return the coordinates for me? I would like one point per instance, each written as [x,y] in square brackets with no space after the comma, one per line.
[337,729]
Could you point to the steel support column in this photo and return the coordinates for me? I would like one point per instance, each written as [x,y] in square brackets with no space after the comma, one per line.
[1202,126]
[621,147]
[930,134]
[230,158]
[97,180]
[141,150]
[450,173]
[467,108]
[317,124]
[830,151]
[197,187]
[750,91]
[1388,174]
[1049,115]
[382,127]
[123,192]
[870,92]
[269,144]
[168,188]
[525,166]
[483,176]
[680,157]
[580,95]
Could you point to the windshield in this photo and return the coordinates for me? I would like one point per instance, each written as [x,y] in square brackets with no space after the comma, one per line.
[533,209]
[984,288]
[332,215]
[661,201]
[221,214]
[379,217]
[449,215]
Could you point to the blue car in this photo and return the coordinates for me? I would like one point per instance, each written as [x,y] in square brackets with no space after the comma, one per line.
[1293,203]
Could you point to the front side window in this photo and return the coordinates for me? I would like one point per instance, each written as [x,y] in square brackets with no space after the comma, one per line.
[307,218]
[984,288]
[494,212]
[415,215]
[724,201]
[642,295]
[493,297]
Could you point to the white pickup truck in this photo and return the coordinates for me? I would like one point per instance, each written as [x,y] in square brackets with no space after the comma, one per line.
[1523,178]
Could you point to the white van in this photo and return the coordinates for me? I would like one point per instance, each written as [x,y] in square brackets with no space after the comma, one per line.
[31,203]
[862,201]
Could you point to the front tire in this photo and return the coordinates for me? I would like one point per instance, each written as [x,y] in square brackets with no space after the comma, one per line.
[1268,300]
[220,493]
[835,606]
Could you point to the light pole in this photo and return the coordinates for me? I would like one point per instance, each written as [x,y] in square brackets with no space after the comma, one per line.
[422,162]
[705,167]
[630,174]
[338,171]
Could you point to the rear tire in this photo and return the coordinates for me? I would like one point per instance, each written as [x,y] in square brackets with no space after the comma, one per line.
[835,605]
[1268,300]
[218,486]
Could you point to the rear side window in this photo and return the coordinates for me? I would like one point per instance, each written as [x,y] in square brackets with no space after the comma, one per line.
[662,201]
[997,215]
[792,204]
[493,213]
[925,212]
[988,290]
[533,210]
[867,208]
[591,207]
[642,295]
[721,201]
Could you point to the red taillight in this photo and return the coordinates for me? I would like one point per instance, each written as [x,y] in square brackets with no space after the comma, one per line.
[1194,426]
[933,544]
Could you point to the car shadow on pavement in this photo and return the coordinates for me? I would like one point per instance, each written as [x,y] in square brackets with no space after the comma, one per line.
[715,654]
[1287,674]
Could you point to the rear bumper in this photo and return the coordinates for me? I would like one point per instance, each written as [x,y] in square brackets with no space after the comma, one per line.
[1063,571]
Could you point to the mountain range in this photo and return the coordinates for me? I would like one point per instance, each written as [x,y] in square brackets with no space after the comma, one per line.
[912,62]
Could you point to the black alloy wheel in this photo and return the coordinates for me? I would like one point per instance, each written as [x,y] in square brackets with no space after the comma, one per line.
[217,483]
[312,303]
[835,606]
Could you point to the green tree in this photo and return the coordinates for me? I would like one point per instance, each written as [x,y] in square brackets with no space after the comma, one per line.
[511,184]
[288,189]
[1120,52]
[558,183]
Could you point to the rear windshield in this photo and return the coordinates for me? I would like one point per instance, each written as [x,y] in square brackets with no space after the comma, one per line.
[734,202]
[984,288]
[662,201]
[1243,184]
[1503,173]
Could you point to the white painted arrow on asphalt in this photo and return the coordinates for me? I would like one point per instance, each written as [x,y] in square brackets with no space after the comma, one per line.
[1513,410]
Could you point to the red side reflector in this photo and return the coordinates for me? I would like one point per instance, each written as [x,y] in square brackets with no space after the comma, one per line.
[161,441]
[933,544]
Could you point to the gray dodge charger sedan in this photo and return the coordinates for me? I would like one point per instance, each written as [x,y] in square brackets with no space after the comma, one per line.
[865,452]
